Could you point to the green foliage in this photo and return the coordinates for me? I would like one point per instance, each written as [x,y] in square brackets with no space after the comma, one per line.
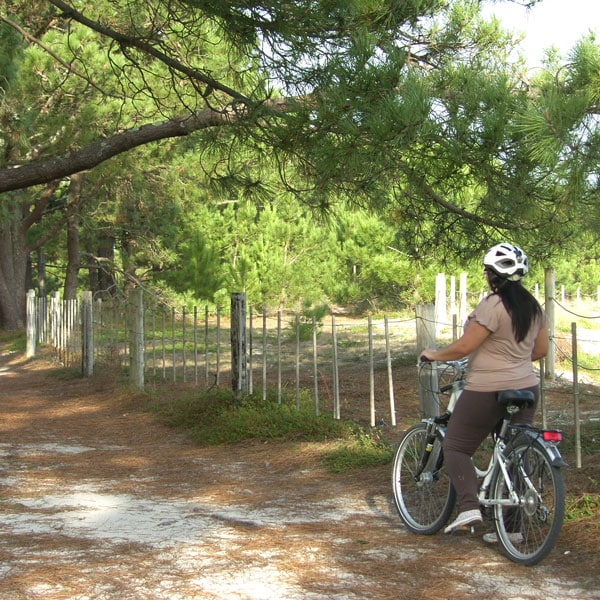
[311,318]
[11,46]
[14,341]
[589,436]
[66,374]
[363,449]
[417,157]
[573,275]
[583,507]
[215,418]
[560,135]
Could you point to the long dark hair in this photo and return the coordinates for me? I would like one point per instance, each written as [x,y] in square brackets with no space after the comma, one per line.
[520,304]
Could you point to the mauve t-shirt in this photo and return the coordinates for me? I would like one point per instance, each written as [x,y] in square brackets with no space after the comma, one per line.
[500,363]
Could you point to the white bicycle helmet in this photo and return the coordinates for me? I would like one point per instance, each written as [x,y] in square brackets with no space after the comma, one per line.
[507,261]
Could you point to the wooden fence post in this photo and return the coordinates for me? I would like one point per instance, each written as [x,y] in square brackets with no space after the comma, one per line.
[389,371]
[549,294]
[297,362]
[425,321]
[31,324]
[264,351]
[55,319]
[279,373]
[136,338]
[453,303]
[239,373]
[87,335]
[218,344]
[371,372]
[440,303]
[183,342]
[206,361]
[250,352]
[576,415]
[315,365]
[336,377]
[464,301]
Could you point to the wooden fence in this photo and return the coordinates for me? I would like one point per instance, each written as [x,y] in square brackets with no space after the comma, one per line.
[286,352]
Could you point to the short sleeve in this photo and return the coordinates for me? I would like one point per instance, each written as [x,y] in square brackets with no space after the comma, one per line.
[486,313]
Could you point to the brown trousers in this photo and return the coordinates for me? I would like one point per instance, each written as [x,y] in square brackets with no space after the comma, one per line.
[475,415]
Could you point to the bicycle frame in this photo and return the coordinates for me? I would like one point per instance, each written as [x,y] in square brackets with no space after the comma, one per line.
[497,458]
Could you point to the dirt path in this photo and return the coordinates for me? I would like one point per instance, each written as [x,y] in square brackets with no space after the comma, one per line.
[99,501]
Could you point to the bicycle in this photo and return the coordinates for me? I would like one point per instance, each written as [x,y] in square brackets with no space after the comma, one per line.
[522,487]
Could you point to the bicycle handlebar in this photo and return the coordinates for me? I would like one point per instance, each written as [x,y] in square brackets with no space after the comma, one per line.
[460,363]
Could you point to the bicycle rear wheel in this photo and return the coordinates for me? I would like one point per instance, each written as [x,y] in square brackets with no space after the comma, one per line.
[423,495]
[529,531]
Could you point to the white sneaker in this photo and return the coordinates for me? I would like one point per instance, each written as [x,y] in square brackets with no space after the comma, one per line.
[515,538]
[464,522]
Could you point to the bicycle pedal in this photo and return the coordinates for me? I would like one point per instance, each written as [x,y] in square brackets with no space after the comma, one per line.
[465,530]
[468,529]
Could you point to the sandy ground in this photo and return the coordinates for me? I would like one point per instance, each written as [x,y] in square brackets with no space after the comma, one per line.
[100,501]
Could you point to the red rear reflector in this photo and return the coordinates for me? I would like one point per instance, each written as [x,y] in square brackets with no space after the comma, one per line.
[553,436]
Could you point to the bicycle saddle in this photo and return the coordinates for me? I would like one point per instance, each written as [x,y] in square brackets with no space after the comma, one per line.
[520,398]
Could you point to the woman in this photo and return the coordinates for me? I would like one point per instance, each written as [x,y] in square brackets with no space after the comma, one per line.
[502,336]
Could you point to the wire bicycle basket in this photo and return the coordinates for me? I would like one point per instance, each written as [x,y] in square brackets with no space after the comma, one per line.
[438,380]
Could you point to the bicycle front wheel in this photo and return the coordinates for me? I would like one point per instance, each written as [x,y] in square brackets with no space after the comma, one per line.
[527,532]
[423,494]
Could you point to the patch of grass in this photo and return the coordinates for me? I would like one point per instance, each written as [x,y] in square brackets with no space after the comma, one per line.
[587,361]
[583,507]
[14,341]
[350,343]
[361,449]
[406,359]
[590,434]
[582,522]
[66,373]
[583,487]
[214,418]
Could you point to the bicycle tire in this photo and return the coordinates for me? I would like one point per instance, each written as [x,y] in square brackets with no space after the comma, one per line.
[540,514]
[424,503]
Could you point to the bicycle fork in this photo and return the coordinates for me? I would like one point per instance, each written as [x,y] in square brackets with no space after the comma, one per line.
[432,454]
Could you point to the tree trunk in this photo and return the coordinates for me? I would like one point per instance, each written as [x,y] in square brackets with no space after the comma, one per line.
[107,283]
[101,261]
[73,251]
[41,271]
[22,211]
[58,167]
[13,268]
[239,370]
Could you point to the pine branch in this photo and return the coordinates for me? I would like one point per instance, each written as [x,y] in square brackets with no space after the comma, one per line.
[132,42]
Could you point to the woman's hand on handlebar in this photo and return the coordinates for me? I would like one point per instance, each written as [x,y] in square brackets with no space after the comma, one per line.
[427,355]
